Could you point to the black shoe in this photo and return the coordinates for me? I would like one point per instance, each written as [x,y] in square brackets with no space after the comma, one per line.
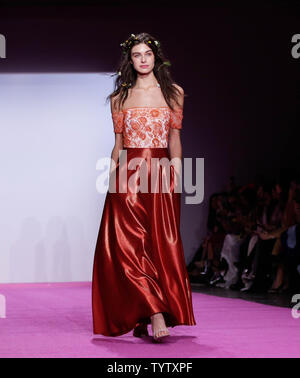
[204,271]
[197,279]
[275,290]
[217,279]
[204,277]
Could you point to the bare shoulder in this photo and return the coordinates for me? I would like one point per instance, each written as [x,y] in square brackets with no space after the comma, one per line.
[114,104]
[179,88]
[180,95]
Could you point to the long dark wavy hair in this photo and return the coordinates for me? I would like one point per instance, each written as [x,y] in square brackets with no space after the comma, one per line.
[128,75]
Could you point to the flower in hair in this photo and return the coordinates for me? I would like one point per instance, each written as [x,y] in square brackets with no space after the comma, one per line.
[126,85]
[127,44]
[157,43]
[165,63]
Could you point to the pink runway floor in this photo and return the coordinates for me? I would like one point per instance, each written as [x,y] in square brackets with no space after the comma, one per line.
[54,320]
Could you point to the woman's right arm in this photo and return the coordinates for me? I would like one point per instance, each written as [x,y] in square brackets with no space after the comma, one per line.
[118,127]
[117,147]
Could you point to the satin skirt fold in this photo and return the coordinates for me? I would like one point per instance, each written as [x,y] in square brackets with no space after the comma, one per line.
[139,267]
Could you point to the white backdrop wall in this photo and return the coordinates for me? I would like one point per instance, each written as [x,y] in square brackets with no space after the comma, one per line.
[53,130]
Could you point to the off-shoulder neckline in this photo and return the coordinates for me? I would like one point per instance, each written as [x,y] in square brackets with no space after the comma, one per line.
[146,107]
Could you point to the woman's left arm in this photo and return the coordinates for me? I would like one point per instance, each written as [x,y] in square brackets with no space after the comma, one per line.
[175,147]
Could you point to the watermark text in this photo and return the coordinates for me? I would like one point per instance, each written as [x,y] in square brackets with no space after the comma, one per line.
[2,46]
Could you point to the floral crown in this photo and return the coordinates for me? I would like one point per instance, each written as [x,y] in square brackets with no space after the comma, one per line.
[129,42]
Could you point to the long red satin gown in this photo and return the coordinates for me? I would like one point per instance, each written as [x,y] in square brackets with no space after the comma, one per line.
[139,267]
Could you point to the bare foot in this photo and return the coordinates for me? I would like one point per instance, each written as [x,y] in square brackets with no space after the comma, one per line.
[159,328]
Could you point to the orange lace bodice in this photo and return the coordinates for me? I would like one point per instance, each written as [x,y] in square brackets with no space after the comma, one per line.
[146,126]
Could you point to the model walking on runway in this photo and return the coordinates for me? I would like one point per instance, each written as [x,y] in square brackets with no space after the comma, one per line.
[139,272]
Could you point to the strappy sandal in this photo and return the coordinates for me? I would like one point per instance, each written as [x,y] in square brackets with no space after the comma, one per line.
[140,330]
